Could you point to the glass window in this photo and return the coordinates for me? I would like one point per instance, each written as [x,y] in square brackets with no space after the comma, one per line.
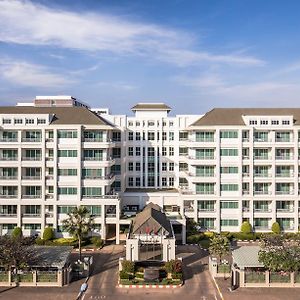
[229,152]
[229,134]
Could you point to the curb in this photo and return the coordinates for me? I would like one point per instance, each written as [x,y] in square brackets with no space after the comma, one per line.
[198,246]
[219,291]
[148,286]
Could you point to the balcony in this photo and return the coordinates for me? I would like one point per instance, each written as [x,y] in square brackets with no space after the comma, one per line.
[262,210]
[261,140]
[245,192]
[205,192]
[207,157]
[116,196]
[206,210]
[96,140]
[262,175]
[283,140]
[38,215]
[106,177]
[31,140]
[94,158]
[8,215]
[261,227]
[245,174]
[262,157]
[245,139]
[284,157]
[188,209]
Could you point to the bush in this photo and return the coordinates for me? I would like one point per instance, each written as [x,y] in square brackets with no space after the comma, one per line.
[195,238]
[176,275]
[48,234]
[244,236]
[173,266]
[246,227]
[139,275]
[97,241]
[17,232]
[209,234]
[276,228]
[39,241]
[128,266]
[125,275]
[227,234]
[66,242]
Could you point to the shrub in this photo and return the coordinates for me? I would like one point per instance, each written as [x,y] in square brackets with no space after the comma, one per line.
[48,234]
[246,227]
[176,275]
[65,242]
[128,266]
[140,269]
[124,275]
[97,241]
[178,266]
[40,242]
[139,275]
[276,228]
[169,266]
[209,234]
[244,236]
[227,234]
[173,266]
[195,238]
[17,232]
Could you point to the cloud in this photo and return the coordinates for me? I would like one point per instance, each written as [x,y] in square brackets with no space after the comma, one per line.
[29,23]
[31,75]
[117,85]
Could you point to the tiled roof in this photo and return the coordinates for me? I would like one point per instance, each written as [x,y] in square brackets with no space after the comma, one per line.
[233,116]
[61,115]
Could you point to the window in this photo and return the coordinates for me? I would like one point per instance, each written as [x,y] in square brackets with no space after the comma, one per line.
[67,172]
[183,136]
[229,170]
[137,151]
[151,136]
[18,121]
[116,136]
[151,123]
[41,121]
[67,153]
[229,152]
[95,210]
[183,151]
[171,166]
[130,136]
[91,173]
[171,136]
[253,122]
[138,136]
[130,166]
[229,222]
[130,181]
[171,181]
[67,191]
[285,122]
[205,136]
[275,122]
[116,152]
[151,151]
[32,226]
[229,187]
[229,205]
[264,122]
[164,166]
[29,121]
[164,136]
[171,123]
[6,121]
[137,124]
[130,151]
[164,181]
[64,209]
[116,169]
[130,124]
[171,151]
[67,134]
[93,136]
[91,192]
[137,181]
[228,134]
[138,166]
[164,151]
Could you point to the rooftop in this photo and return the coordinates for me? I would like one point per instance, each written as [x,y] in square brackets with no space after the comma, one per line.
[61,115]
[247,256]
[234,116]
[151,106]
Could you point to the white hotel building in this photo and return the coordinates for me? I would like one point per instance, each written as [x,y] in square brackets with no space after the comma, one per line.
[220,168]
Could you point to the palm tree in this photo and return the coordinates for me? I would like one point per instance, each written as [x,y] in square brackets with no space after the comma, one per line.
[78,224]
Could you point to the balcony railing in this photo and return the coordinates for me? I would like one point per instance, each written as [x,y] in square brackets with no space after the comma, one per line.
[101,196]
[261,227]
[245,174]
[32,158]
[285,210]
[284,157]
[8,140]
[8,177]
[262,157]
[262,192]
[9,196]
[95,140]
[262,140]
[38,177]
[205,192]
[31,140]
[284,175]
[94,158]
[262,175]
[206,210]
[208,140]
[263,210]
[189,209]
[106,177]
[31,215]
[32,196]
[245,139]
[9,158]
[283,140]
[245,192]
[291,192]
[246,209]
[202,157]
[8,215]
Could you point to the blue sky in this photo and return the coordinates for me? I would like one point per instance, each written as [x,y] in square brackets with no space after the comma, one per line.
[193,55]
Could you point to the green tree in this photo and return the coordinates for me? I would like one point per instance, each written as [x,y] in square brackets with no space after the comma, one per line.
[246,227]
[219,246]
[276,228]
[16,252]
[78,224]
[48,234]
[17,232]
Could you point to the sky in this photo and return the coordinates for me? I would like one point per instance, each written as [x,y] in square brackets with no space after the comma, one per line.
[192,55]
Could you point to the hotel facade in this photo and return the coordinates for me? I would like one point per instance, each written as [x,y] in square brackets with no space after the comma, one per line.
[218,169]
